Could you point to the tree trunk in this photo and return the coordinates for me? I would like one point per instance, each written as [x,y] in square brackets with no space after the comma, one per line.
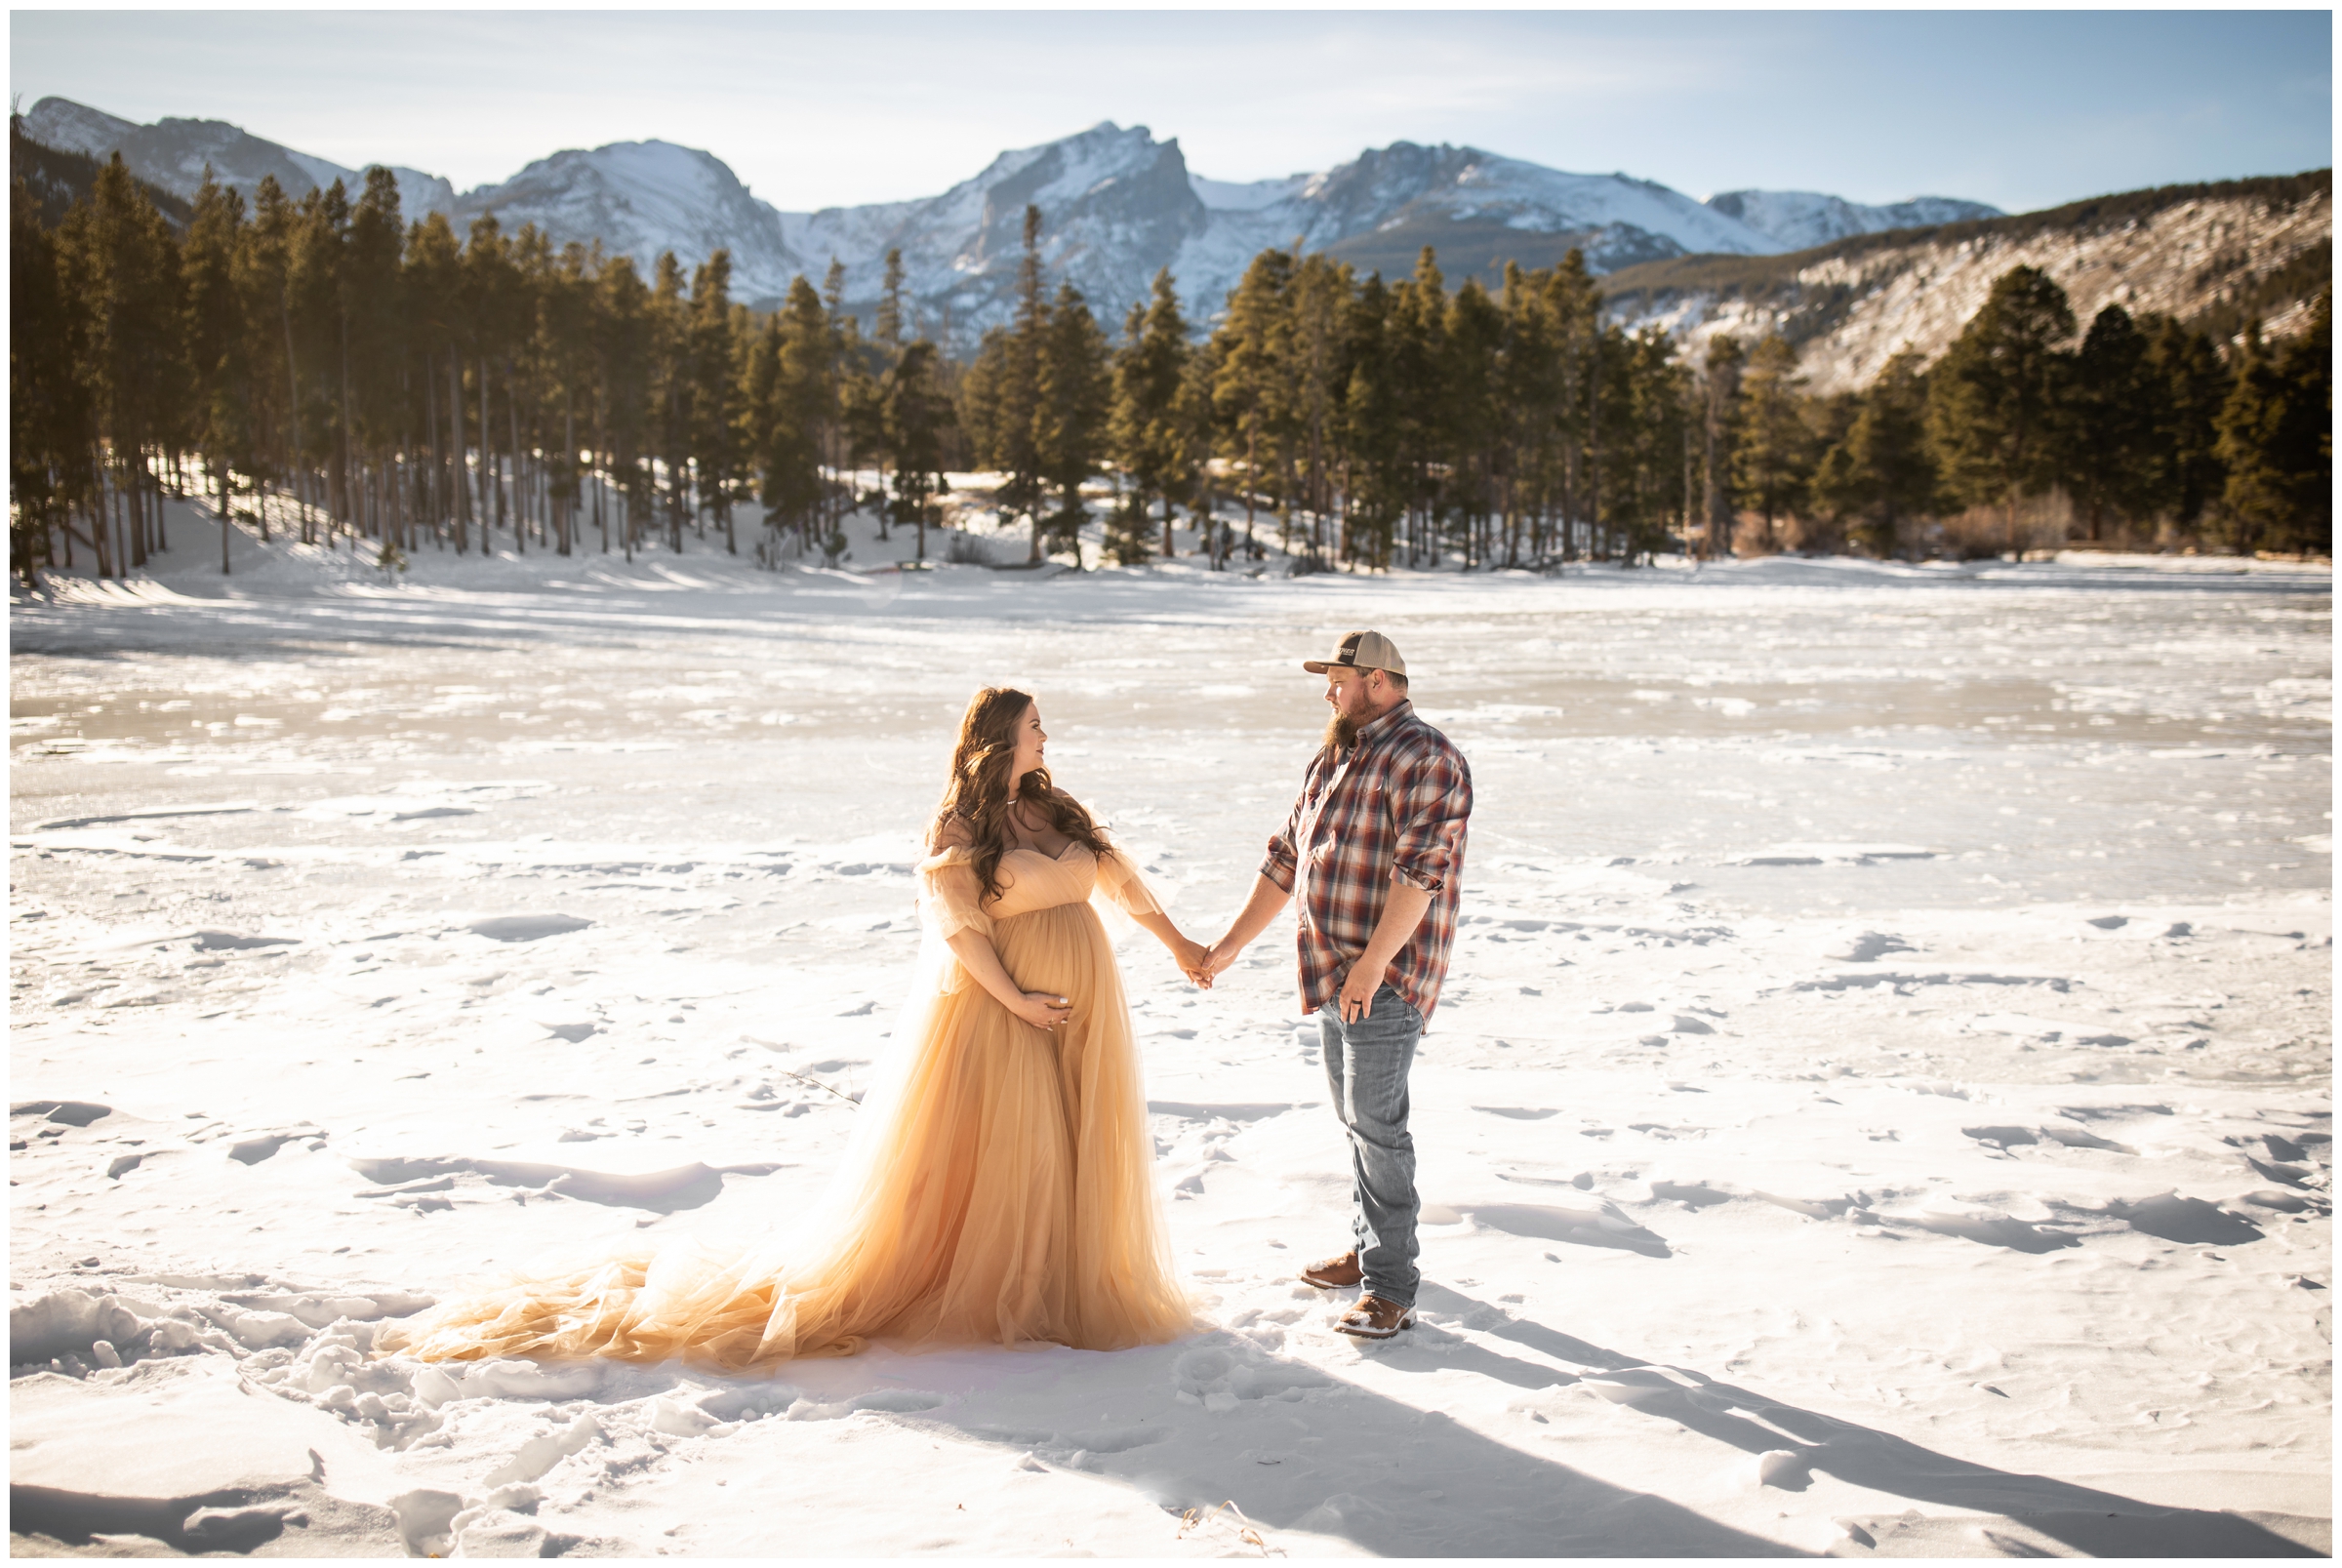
[459,483]
[520,526]
[488,508]
[347,445]
[284,311]
[135,498]
[431,422]
[125,541]
[569,467]
[1251,445]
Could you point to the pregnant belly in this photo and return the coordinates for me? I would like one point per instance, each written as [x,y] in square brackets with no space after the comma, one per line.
[1062,950]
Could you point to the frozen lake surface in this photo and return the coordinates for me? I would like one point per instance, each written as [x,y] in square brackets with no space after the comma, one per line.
[1882,1103]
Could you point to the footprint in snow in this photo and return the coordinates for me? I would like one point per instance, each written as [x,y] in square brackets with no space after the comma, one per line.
[526,927]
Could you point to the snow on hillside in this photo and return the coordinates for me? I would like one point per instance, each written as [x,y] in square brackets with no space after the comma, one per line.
[1466,184]
[640,198]
[1117,206]
[1799,219]
[1918,295]
[172,153]
[1249,196]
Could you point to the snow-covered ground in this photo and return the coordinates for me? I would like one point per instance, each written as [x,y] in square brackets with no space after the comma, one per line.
[1881,1105]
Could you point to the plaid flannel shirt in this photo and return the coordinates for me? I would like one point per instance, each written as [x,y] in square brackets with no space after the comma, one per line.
[1395,807]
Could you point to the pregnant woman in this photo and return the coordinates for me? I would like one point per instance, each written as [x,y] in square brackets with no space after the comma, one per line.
[999,1186]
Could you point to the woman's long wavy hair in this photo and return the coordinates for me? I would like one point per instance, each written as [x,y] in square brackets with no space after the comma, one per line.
[977,795]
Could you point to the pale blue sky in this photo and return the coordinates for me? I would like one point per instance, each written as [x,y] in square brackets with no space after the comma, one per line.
[2022,109]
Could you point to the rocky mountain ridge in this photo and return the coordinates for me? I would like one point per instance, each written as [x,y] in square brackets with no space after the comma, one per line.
[1118,205]
[172,153]
[1802,219]
[2215,254]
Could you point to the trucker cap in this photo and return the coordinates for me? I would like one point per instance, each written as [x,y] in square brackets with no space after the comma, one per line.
[1359,650]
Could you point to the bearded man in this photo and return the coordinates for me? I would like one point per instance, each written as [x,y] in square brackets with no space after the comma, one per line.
[1374,847]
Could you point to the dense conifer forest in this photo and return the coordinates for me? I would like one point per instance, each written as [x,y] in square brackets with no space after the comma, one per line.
[405,388]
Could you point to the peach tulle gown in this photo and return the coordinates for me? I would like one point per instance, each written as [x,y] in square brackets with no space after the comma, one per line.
[998,1188]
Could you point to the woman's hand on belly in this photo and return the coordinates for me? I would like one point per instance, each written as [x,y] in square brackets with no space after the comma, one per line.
[1044,1010]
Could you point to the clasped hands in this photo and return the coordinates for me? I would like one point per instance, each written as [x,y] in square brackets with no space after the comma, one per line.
[1202,963]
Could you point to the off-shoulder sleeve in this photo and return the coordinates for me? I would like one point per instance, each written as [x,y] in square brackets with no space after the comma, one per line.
[1118,879]
[950,900]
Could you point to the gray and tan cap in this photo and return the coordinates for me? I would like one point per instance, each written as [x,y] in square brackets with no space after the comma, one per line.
[1359,650]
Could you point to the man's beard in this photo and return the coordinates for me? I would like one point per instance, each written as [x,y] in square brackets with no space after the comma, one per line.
[1341,732]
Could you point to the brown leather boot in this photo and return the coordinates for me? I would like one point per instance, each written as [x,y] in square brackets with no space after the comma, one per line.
[1332,1273]
[1374,1318]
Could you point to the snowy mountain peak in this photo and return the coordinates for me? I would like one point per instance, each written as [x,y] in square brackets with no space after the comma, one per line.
[1116,205]
[1248,196]
[1799,219]
[640,198]
[172,153]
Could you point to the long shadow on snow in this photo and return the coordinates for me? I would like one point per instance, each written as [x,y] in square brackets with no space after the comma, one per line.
[1299,1449]
[2094,1522]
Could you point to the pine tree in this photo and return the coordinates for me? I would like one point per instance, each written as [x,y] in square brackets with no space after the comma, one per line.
[1151,440]
[1575,302]
[889,334]
[714,452]
[1250,399]
[1996,399]
[565,325]
[1772,459]
[1318,299]
[2185,468]
[1000,410]
[1075,406]
[369,307]
[845,350]
[625,337]
[1719,435]
[1648,483]
[218,330]
[918,413]
[797,353]
[1473,335]
[2277,442]
[671,387]
[523,374]
[1418,365]
[1528,411]
[2111,429]
[52,422]
[121,254]
[1881,473]
[320,237]
[1377,481]
[862,412]
[1016,417]
[1195,433]
[434,281]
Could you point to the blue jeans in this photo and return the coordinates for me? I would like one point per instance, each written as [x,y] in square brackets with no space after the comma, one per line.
[1367,1067]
